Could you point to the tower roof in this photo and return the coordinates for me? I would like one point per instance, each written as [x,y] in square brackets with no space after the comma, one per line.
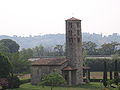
[73,18]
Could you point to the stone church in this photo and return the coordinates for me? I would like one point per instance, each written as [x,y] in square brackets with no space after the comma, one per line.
[71,67]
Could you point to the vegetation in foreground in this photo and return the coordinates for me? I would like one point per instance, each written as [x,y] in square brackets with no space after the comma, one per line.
[91,86]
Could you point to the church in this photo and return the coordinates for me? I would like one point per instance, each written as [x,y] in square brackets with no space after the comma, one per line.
[71,66]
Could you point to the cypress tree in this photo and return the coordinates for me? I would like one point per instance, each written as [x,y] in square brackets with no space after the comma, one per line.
[105,74]
[116,77]
[111,76]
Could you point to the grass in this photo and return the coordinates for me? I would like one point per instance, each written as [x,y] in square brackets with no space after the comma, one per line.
[91,86]
[98,75]
[24,76]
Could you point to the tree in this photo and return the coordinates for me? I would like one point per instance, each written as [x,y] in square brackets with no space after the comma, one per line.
[25,54]
[59,50]
[5,66]
[116,77]
[52,79]
[90,47]
[19,65]
[39,51]
[19,62]
[5,70]
[105,74]
[10,45]
[109,48]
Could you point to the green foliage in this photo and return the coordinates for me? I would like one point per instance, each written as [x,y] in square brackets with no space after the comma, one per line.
[5,67]
[25,54]
[90,47]
[119,87]
[59,50]
[109,48]
[5,71]
[52,79]
[25,81]
[105,74]
[91,86]
[14,82]
[3,83]
[110,82]
[20,65]
[116,77]
[96,64]
[8,45]
[39,51]
[10,49]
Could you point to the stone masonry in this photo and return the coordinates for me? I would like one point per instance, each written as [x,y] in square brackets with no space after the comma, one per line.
[74,48]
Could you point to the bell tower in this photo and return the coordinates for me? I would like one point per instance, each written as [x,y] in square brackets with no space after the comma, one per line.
[74,50]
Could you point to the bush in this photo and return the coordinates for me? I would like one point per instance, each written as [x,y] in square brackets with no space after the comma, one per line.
[14,82]
[97,64]
[52,79]
[24,81]
[96,80]
[3,83]
[118,87]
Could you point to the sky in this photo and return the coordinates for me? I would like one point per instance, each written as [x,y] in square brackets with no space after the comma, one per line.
[39,17]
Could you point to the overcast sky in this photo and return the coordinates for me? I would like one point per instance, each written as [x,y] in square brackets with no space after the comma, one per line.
[34,17]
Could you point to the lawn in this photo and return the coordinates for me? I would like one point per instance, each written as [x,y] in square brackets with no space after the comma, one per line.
[98,75]
[91,86]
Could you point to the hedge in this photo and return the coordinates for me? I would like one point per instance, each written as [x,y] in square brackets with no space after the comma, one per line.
[97,65]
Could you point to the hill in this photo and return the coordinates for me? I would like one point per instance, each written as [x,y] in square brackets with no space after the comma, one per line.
[50,40]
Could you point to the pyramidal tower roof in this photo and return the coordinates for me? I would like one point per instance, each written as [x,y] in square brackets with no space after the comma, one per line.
[73,18]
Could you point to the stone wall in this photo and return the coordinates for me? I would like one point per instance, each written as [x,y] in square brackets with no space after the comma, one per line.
[37,72]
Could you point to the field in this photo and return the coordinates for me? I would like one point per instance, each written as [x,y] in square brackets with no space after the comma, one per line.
[99,75]
[91,86]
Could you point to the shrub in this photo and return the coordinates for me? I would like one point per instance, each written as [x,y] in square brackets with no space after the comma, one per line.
[52,79]
[3,83]
[25,81]
[14,82]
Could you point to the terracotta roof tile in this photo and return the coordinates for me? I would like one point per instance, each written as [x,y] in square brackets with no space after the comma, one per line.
[73,18]
[49,61]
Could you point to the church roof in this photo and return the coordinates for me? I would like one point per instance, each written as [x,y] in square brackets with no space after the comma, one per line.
[73,19]
[49,61]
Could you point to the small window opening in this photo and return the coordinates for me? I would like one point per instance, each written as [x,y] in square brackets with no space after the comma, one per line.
[78,25]
[70,25]
[78,39]
[78,32]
